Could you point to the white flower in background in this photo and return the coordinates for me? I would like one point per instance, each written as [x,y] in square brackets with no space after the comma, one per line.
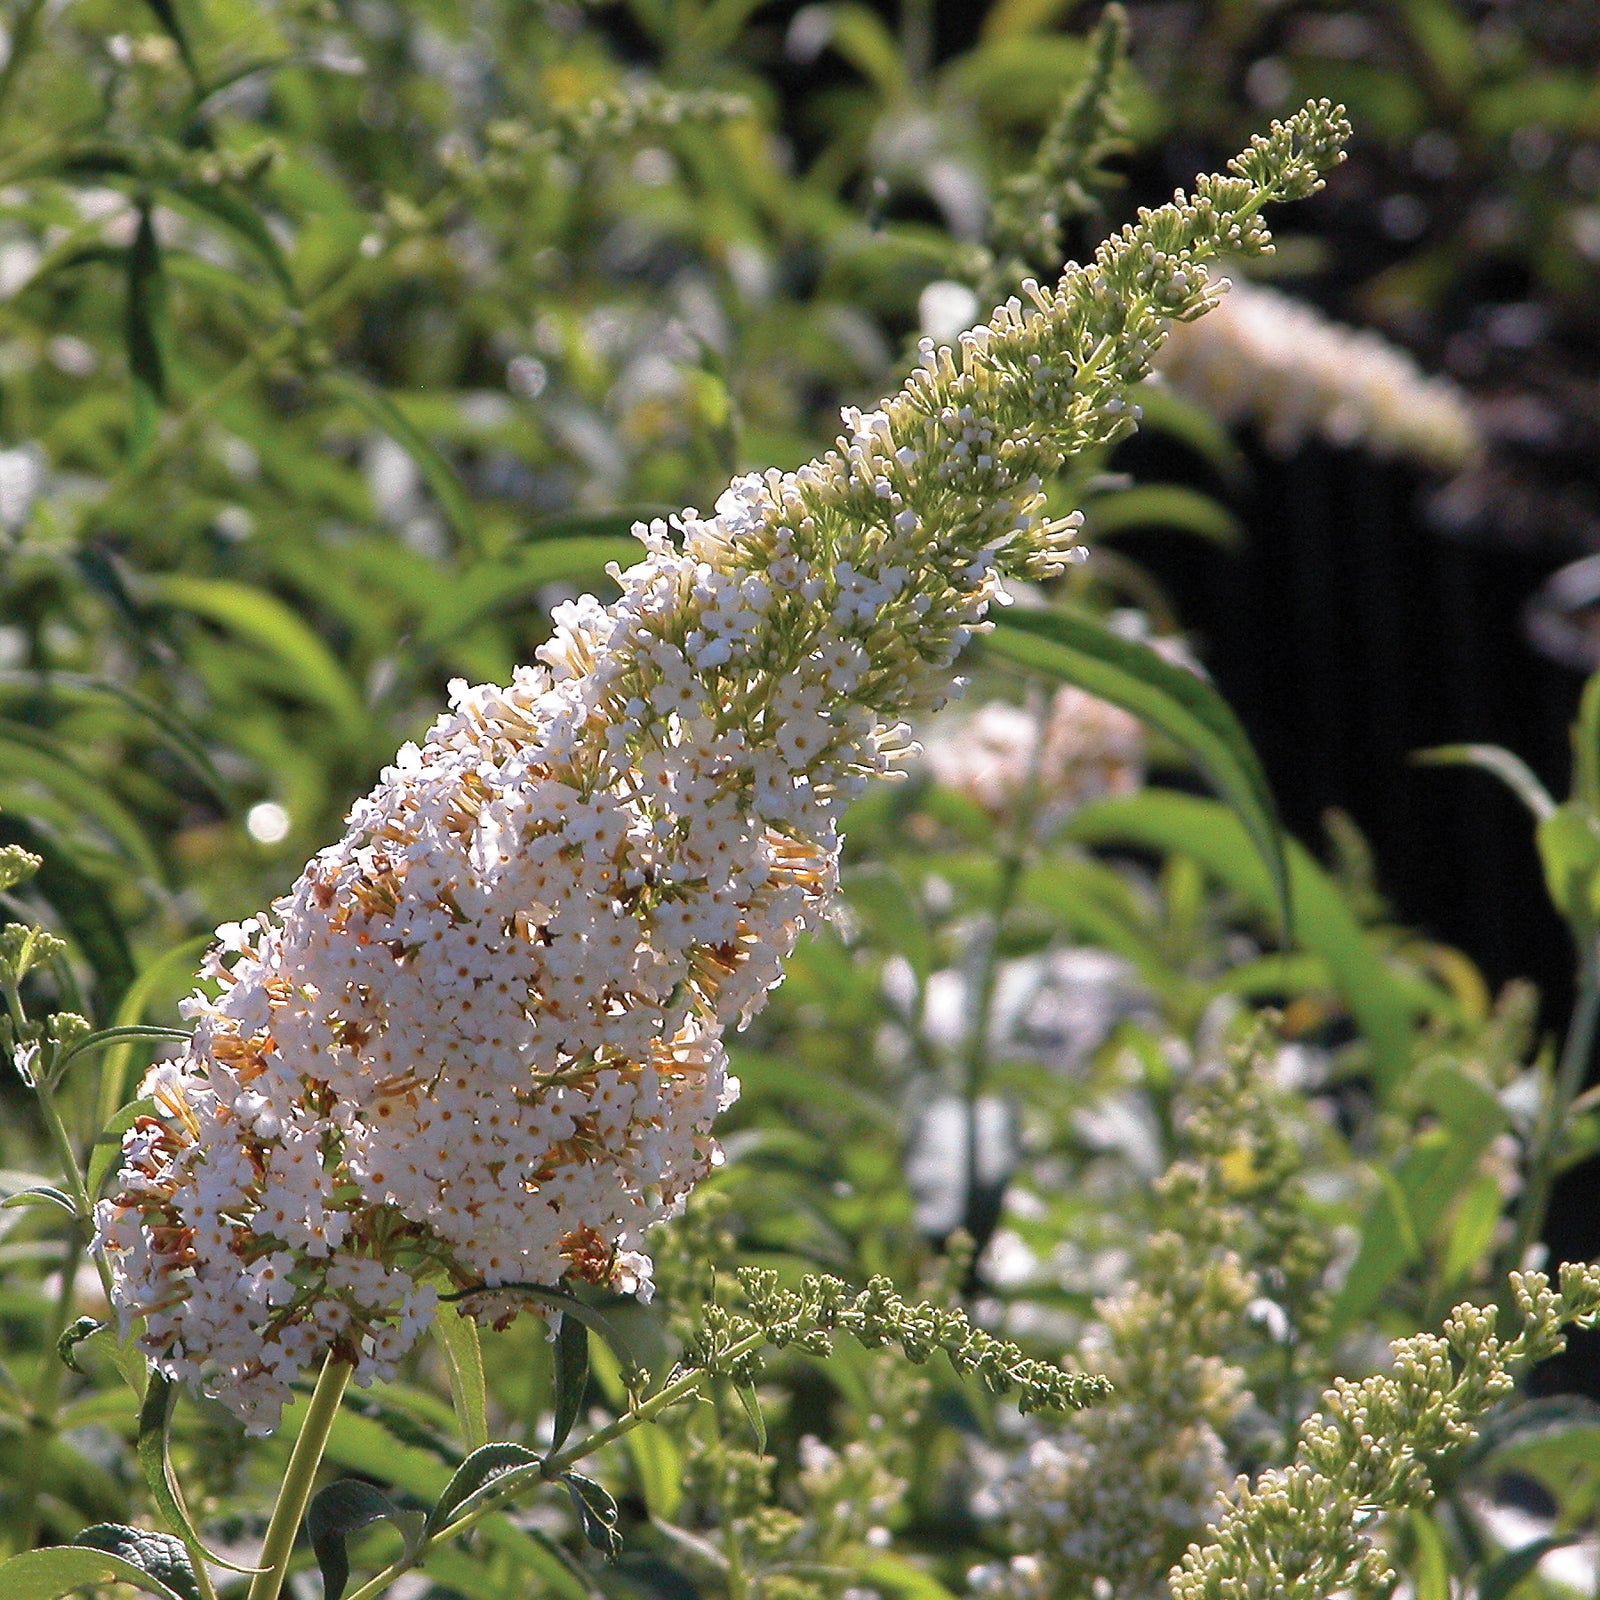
[1267,358]
[1079,748]
[480,1039]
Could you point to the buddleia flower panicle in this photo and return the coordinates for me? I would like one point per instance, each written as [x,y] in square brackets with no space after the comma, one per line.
[1308,1531]
[1270,359]
[480,1041]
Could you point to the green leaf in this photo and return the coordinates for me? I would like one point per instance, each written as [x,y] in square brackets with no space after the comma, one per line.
[238,218]
[143,333]
[63,1569]
[1511,770]
[41,1194]
[1569,853]
[1163,505]
[155,1414]
[342,1508]
[658,1464]
[891,912]
[78,686]
[158,1554]
[437,473]
[492,586]
[1421,1188]
[1129,674]
[82,904]
[597,1514]
[1501,1576]
[752,1410]
[167,15]
[1168,412]
[570,1376]
[457,1338]
[265,620]
[1586,745]
[475,1477]
[40,758]
[896,1576]
[1384,1008]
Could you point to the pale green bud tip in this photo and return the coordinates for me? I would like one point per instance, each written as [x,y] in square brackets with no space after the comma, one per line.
[17,866]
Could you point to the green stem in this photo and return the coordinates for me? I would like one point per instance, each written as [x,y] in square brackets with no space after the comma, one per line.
[552,1467]
[1013,858]
[1576,1054]
[297,1480]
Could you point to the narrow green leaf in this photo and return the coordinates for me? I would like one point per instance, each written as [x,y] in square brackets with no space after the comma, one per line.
[440,477]
[43,1194]
[82,904]
[1163,505]
[616,524]
[39,757]
[175,964]
[78,686]
[659,1465]
[238,218]
[457,1338]
[571,1377]
[1586,746]
[494,585]
[1168,412]
[265,620]
[1511,770]
[1501,1576]
[155,1414]
[597,1514]
[752,1410]
[340,1509]
[62,1569]
[1074,649]
[167,15]
[143,320]
[1384,1009]
[476,1476]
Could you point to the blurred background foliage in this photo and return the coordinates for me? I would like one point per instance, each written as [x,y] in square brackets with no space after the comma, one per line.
[337,341]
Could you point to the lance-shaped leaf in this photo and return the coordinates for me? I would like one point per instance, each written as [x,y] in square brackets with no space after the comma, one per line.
[597,1514]
[437,473]
[343,1508]
[479,1475]
[143,333]
[154,1416]
[1077,650]
[457,1337]
[571,1373]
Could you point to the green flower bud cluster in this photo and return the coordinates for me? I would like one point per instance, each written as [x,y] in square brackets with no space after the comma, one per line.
[1306,1531]
[808,1317]
[1027,228]
[17,866]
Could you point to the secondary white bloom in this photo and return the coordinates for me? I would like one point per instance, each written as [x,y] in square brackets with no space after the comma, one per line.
[1080,748]
[1265,357]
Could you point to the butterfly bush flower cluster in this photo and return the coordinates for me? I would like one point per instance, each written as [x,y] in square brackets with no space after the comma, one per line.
[1273,360]
[480,1041]
[1109,1502]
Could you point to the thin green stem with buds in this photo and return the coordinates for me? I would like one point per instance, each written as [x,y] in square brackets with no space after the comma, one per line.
[1577,1052]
